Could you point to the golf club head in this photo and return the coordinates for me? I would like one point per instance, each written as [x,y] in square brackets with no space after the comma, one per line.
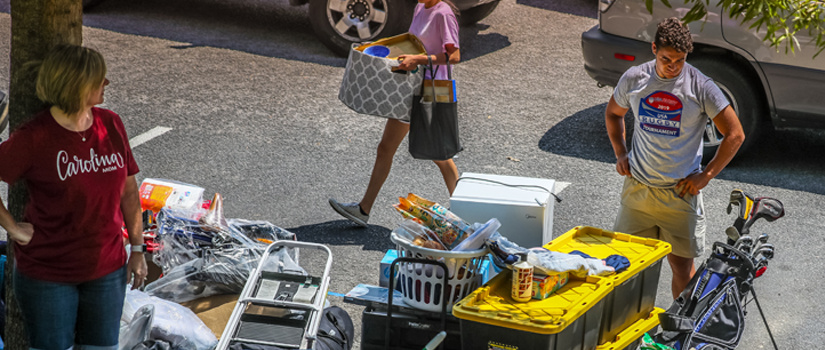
[744,243]
[765,250]
[763,238]
[769,209]
[763,254]
[733,234]
[745,203]
[766,208]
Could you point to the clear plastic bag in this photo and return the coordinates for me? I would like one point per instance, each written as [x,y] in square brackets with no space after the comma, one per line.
[223,271]
[480,234]
[171,322]
[200,260]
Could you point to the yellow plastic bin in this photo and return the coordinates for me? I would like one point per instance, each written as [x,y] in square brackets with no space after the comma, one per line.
[634,290]
[568,319]
[631,337]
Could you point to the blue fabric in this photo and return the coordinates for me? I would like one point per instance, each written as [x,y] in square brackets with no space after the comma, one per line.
[59,315]
[617,262]
[581,254]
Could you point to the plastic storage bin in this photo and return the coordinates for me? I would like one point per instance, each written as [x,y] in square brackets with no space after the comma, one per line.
[422,285]
[569,319]
[634,290]
[631,337]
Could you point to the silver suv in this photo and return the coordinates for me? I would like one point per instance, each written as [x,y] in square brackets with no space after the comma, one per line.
[766,88]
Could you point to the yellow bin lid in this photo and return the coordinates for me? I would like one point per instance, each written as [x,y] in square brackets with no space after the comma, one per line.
[598,243]
[492,304]
[633,332]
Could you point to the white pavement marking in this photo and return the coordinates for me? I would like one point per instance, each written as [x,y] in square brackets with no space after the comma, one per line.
[142,138]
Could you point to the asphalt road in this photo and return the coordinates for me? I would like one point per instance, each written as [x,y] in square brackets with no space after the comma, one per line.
[250,97]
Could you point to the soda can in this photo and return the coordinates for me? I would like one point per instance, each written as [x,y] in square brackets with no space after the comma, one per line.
[522,289]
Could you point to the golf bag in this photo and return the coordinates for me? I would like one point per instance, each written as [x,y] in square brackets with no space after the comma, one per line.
[710,313]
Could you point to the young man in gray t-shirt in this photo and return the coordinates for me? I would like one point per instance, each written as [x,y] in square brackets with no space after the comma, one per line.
[671,101]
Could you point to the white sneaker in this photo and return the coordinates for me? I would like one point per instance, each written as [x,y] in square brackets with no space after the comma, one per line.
[350,211]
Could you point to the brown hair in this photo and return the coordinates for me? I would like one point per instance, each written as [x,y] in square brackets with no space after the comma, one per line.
[672,33]
[67,75]
[455,9]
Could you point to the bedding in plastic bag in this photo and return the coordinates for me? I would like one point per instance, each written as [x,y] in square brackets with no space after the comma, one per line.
[218,271]
[546,261]
[171,322]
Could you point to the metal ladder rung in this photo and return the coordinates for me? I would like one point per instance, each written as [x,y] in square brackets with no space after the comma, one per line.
[280,303]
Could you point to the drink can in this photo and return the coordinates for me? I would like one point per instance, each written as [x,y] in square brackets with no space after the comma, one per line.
[522,289]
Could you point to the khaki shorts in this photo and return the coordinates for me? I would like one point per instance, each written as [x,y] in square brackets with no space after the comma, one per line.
[659,213]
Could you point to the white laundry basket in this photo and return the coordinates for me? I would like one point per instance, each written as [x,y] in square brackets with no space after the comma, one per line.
[422,285]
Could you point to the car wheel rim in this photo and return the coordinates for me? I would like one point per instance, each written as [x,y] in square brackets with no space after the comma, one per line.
[713,137]
[357,20]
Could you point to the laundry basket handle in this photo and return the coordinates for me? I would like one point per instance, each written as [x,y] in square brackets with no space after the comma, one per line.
[444,294]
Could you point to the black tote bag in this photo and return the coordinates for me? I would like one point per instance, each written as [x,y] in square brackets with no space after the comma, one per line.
[434,124]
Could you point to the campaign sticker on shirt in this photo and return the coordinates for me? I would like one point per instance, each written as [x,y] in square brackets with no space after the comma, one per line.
[661,113]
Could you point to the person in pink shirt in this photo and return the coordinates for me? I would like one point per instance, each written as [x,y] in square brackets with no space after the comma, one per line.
[70,267]
[435,23]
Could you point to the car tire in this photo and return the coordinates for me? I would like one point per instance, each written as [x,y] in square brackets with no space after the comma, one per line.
[473,15]
[340,24]
[87,4]
[740,89]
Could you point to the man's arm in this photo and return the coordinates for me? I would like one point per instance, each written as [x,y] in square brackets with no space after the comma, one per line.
[728,124]
[614,121]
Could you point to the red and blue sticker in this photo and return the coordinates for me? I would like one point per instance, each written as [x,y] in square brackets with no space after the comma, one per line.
[661,113]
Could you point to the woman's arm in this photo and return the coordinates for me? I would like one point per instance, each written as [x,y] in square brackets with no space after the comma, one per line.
[410,62]
[130,207]
[20,232]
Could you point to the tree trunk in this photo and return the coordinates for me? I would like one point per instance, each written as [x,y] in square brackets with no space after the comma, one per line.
[36,26]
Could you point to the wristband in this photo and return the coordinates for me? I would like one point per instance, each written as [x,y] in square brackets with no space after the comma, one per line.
[138,248]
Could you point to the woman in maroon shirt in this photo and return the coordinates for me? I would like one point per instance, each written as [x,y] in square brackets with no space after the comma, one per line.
[71,268]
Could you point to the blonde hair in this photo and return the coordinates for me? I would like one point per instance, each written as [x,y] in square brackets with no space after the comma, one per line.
[67,75]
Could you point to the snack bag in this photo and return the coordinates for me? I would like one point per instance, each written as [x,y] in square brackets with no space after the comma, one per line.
[462,226]
[440,210]
[448,233]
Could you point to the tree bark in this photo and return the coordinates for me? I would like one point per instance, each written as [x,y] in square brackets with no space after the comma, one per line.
[36,26]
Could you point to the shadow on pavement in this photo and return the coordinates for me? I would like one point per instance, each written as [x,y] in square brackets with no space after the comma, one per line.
[475,44]
[344,232]
[565,6]
[261,27]
[789,159]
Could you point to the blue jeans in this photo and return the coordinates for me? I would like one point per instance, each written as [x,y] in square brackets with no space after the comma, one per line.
[60,315]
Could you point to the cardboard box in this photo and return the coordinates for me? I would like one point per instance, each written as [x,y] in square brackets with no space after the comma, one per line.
[523,205]
[384,270]
[401,44]
[488,270]
[544,286]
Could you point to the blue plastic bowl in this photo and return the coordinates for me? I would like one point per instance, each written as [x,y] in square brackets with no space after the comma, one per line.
[377,51]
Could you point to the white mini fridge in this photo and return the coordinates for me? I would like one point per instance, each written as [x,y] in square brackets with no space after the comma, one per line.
[523,205]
